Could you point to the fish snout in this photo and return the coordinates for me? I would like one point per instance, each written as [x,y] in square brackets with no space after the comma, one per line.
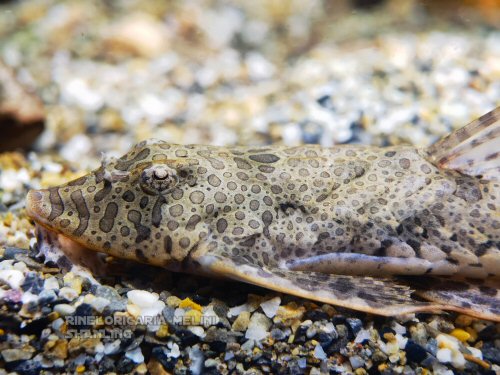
[38,205]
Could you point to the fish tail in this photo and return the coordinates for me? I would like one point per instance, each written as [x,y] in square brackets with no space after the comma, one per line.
[473,150]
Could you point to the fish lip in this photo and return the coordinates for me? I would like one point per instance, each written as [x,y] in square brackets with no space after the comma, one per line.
[35,209]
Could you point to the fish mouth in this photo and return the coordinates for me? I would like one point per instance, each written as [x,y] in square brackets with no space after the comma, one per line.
[37,207]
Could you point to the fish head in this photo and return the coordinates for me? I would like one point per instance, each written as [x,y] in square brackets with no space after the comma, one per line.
[138,207]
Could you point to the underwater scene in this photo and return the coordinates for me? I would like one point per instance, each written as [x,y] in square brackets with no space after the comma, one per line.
[250,187]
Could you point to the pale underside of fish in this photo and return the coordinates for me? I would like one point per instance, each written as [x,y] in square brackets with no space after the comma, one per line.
[384,230]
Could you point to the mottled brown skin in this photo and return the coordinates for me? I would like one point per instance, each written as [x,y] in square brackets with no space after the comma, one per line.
[281,205]
[347,210]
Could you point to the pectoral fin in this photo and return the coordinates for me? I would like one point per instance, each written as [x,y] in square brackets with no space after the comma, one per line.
[480,299]
[374,295]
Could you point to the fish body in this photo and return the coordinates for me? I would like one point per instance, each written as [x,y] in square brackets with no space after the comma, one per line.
[339,225]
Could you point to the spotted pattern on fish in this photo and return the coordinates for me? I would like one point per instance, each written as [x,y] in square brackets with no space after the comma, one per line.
[295,213]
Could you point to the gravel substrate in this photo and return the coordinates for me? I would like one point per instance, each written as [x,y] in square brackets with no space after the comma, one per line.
[263,72]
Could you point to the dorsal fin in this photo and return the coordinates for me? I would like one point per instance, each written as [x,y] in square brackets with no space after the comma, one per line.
[473,150]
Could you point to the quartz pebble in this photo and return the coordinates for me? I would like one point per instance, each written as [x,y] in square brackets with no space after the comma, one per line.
[319,353]
[145,304]
[64,309]
[270,307]
[449,351]
[258,327]
[13,278]
[68,293]
[135,355]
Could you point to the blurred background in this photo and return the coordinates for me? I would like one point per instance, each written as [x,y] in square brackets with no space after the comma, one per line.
[84,77]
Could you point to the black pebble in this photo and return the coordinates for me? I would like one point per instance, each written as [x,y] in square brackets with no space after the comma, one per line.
[84,311]
[167,362]
[325,101]
[488,333]
[324,339]
[201,300]
[29,367]
[295,369]
[278,334]
[338,320]
[263,359]
[414,352]
[106,365]
[186,337]
[218,346]
[337,345]
[315,315]
[355,325]
[33,283]
[490,353]
[211,371]
[125,365]
[132,344]
[300,335]
[35,327]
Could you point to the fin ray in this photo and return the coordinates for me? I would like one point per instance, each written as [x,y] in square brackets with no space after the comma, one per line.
[473,150]
[480,298]
[373,295]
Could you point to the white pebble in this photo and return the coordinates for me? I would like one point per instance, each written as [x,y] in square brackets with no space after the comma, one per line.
[78,91]
[148,304]
[6,264]
[197,359]
[20,266]
[51,283]
[12,180]
[401,341]
[329,328]
[13,278]
[197,330]
[142,298]
[112,347]
[237,310]
[259,67]
[258,328]
[29,297]
[99,348]
[449,350]
[174,351]
[398,328]
[209,317]
[135,355]
[475,352]
[248,345]
[391,347]
[68,293]
[444,355]
[319,352]
[57,324]
[100,303]
[356,361]
[76,148]
[439,369]
[362,335]
[64,309]
[270,307]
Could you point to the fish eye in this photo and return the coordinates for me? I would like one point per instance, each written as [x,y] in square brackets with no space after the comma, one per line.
[158,179]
